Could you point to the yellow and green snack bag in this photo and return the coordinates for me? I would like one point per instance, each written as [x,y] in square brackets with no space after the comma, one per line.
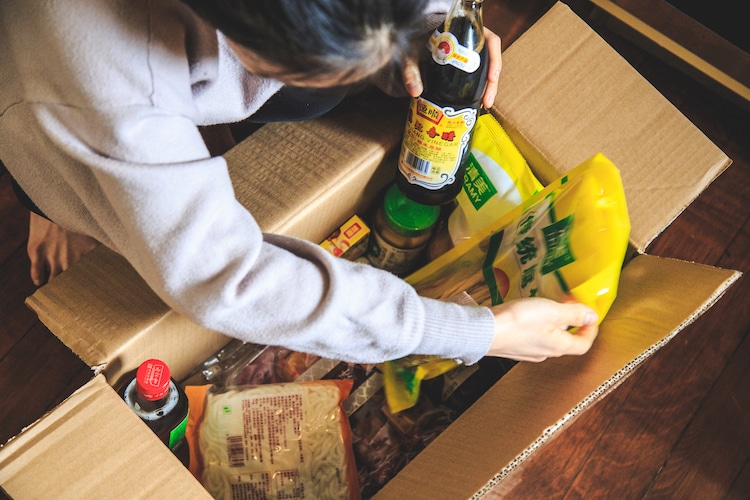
[568,240]
[497,179]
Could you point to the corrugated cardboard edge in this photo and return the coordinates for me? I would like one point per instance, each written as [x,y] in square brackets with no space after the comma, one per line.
[89,428]
[608,386]
[558,122]
[533,401]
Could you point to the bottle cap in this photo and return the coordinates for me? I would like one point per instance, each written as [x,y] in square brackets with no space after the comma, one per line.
[152,379]
[407,217]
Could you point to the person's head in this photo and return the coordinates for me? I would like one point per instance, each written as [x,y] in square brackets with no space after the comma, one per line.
[317,43]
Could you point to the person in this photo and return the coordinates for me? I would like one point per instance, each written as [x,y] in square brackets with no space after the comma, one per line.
[112,119]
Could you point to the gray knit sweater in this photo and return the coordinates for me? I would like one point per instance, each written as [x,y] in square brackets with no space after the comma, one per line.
[100,103]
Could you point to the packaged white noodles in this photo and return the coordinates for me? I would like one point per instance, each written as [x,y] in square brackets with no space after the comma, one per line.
[289,440]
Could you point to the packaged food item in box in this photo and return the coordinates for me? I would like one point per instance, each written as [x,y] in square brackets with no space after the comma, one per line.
[272,365]
[568,240]
[497,180]
[350,240]
[290,440]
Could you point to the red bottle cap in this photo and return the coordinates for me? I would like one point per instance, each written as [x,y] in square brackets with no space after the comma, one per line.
[152,379]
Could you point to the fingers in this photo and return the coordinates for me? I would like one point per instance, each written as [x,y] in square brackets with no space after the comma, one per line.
[494,49]
[39,272]
[584,324]
[412,78]
[580,315]
[534,329]
[52,249]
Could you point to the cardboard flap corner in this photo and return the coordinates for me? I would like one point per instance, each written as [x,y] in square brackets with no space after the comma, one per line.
[533,401]
[328,166]
[565,95]
[78,451]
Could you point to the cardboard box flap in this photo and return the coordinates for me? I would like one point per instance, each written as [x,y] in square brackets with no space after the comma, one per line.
[93,431]
[658,298]
[565,95]
[283,166]
[105,313]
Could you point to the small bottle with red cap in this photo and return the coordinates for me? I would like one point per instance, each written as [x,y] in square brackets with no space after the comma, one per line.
[160,402]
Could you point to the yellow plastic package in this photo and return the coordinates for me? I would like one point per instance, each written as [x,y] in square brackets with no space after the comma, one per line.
[570,239]
[497,180]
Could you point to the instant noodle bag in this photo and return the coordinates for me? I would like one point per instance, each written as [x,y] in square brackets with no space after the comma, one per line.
[568,240]
[285,440]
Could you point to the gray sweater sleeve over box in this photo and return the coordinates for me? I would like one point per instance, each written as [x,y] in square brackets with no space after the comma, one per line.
[100,104]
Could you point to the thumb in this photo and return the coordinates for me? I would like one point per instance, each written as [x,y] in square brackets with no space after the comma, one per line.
[581,315]
[412,78]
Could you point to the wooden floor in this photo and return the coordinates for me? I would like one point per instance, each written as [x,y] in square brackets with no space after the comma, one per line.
[679,427]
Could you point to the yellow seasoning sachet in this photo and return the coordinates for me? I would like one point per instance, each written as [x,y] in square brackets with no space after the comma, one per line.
[567,240]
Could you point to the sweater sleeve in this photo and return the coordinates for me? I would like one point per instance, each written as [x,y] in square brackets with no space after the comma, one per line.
[132,172]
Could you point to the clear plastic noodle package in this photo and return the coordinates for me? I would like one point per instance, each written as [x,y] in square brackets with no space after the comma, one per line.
[568,240]
[285,440]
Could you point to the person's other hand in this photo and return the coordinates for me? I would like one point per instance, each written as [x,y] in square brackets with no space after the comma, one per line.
[534,329]
[413,78]
[53,249]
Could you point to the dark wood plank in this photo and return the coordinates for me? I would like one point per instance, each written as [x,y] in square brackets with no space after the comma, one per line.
[741,487]
[716,445]
[36,375]
[14,225]
[693,35]
[15,286]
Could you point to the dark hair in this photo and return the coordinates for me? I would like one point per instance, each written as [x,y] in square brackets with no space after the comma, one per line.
[351,38]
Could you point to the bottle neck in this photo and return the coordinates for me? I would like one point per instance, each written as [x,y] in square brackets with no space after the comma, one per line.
[149,406]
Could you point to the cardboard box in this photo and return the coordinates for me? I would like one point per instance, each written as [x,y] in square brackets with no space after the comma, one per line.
[564,95]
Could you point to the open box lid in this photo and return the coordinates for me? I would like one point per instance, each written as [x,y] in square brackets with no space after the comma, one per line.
[565,94]
[92,446]
[528,405]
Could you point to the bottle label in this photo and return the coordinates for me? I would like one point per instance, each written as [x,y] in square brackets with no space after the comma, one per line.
[178,433]
[446,49]
[435,140]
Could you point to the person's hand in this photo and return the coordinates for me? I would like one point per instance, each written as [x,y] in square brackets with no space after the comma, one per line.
[534,329]
[413,78]
[53,249]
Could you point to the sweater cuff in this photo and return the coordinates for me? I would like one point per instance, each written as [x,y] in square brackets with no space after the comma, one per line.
[460,332]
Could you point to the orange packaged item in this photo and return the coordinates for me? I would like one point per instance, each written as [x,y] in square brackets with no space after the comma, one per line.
[350,240]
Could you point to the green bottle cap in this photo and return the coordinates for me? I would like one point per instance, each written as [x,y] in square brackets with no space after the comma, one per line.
[407,217]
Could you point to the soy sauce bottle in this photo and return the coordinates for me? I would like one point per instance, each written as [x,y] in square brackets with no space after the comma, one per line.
[440,122]
[160,402]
